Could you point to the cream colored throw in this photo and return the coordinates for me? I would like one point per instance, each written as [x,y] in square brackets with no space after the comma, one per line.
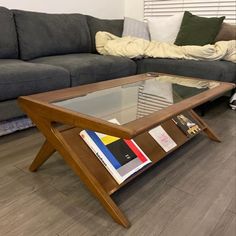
[109,44]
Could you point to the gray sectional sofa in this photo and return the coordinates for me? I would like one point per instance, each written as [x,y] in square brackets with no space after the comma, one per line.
[41,52]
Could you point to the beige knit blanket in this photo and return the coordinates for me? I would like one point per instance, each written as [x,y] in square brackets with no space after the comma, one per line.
[109,44]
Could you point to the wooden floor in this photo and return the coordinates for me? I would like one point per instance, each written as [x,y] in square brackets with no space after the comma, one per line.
[192,192]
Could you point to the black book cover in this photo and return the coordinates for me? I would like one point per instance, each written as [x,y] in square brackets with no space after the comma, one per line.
[121,151]
[187,124]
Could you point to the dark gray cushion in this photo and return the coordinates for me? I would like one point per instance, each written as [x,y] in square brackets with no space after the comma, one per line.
[88,68]
[42,34]
[212,70]
[10,109]
[112,26]
[8,37]
[22,78]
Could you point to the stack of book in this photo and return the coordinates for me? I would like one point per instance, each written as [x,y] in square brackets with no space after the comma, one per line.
[122,158]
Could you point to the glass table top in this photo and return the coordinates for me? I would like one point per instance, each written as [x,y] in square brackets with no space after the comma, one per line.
[132,101]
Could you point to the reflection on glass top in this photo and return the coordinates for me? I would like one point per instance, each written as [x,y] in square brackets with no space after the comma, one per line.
[135,100]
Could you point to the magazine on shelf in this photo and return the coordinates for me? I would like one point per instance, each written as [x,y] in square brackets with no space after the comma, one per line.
[162,138]
[121,157]
[187,124]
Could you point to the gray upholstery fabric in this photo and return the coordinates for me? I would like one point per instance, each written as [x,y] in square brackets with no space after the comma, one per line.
[10,109]
[212,70]
[112,26]
[42,34]
[22,78]
[88,68]
[8,37]
[135,28]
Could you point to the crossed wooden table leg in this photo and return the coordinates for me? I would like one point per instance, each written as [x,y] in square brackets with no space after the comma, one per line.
[56,142]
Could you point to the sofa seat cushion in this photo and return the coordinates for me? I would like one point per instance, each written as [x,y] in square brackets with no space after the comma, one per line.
[10,109]
[87,68]
[212,70]
[42,34]
[8,37]
[22,78]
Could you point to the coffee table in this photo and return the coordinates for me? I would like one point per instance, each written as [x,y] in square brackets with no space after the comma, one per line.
[139,103]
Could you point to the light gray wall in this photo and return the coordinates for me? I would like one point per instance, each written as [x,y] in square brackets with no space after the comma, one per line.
[99,8]
[134,9]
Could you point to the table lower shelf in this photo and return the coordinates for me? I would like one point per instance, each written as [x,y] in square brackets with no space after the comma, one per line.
[91,171]
[145,141]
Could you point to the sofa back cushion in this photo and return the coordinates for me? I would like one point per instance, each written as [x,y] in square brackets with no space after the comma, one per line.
[227,32]
[42,34]
[112,26]
[196,30]
[8,36]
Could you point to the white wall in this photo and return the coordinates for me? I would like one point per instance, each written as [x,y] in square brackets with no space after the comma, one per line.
[116,9]
[99,8]
[134,9]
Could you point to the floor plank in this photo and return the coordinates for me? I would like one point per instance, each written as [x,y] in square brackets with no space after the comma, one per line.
[226,225]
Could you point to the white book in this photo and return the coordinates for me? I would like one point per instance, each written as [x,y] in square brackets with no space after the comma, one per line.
[162,138]
[122,163]
[102,158]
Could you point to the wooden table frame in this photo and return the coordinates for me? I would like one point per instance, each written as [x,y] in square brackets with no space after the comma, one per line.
[81,159]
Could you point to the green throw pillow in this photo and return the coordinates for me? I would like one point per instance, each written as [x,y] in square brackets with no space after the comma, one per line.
[196,30]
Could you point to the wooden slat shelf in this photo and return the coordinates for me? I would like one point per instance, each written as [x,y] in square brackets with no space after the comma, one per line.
[145,141]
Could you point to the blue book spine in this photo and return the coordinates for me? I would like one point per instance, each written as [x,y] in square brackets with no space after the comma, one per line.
[104,149]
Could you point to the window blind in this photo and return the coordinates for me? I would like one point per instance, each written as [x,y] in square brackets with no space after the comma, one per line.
[209,8]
